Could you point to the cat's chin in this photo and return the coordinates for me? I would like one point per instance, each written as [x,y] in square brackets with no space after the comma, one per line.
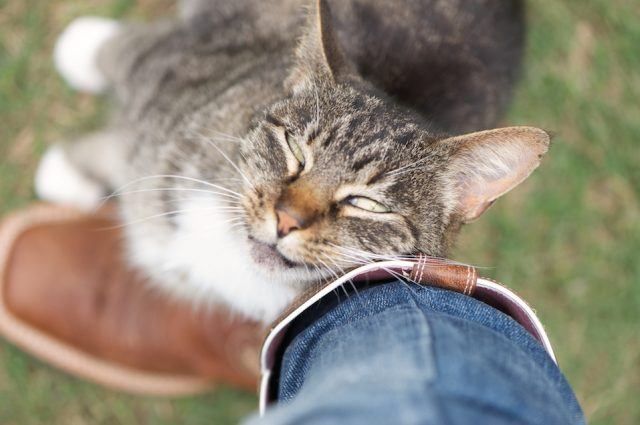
[268,257]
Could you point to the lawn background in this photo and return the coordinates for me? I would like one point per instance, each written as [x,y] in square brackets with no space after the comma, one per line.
[568,239]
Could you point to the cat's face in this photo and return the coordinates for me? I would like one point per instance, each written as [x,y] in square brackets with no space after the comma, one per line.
[336,173]
[340,176]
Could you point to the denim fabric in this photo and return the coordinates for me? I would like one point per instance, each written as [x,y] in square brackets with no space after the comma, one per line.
[405,354]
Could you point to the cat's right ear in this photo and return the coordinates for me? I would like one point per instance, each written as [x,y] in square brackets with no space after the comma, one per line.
[487,164]
[319,55]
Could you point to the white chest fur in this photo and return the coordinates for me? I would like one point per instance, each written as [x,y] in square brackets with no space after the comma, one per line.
[207,262]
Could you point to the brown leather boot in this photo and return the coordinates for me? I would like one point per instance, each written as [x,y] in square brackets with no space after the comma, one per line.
[68,298]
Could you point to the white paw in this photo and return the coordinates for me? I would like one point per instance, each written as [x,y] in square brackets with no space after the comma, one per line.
[76,52]
[57,180]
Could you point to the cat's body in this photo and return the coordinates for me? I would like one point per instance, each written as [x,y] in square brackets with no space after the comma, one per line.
[250,163]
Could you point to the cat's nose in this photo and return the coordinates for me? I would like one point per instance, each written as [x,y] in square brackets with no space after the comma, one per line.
[286,222]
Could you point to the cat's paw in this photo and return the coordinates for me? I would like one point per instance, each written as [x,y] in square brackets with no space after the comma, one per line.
[57,180]
[76,52]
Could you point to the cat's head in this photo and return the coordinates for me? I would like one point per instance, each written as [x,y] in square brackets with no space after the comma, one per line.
[341,175]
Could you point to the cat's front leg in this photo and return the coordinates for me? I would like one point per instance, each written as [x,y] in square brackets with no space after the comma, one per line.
[81,173]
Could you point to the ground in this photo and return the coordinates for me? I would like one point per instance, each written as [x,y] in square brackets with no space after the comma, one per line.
[568,240]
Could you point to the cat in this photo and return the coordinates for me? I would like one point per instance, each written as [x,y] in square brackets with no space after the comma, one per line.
[258,147]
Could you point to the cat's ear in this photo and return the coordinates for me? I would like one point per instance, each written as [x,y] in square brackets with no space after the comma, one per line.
[333,58]
[319,53]
[487,164]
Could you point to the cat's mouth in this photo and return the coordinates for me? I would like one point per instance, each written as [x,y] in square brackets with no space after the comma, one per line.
[268,256]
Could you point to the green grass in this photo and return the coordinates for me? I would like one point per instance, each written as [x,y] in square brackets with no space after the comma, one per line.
[568,240]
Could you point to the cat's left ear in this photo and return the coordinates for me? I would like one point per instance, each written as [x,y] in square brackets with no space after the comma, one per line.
[319,54]
[487,164]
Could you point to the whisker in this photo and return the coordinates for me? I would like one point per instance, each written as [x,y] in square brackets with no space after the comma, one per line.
[211,143]
[353,286]
[315,90]
[325,280]
[231,205]
[160,215]
[228,137]
[201,233]
[174,189]
[335,275]
[401,278]
[405,168]
[117,191]
[389,257]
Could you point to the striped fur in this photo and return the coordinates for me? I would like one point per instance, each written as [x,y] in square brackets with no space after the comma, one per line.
[204,104]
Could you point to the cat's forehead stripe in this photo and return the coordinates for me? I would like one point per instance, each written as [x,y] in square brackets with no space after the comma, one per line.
[376,177]
[313,134]
[330,136]
[271,119]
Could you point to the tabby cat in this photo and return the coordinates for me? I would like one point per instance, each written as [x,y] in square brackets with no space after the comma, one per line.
[260,146]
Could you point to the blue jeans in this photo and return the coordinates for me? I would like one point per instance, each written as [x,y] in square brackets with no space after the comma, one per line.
[404,354]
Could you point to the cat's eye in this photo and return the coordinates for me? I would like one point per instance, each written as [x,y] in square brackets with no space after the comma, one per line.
[367,204]
[295,149]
